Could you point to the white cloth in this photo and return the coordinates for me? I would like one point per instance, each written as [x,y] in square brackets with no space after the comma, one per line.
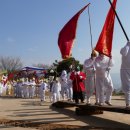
[64,85]
[1,89]
[103,78]
[125,71]
[43,88]
[32,89]
[50,88]
[70,89]
[101,64]
[56,88]
[19,89]
[25,89]
[125,52]
[89,69]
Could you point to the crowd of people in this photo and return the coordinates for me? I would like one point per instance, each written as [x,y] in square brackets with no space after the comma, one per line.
[76,85]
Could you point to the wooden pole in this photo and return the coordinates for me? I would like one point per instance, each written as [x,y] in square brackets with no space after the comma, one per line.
[119,21]
[90,29]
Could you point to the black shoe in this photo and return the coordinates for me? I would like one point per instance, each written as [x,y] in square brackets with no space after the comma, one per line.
[41,100]
[108,103]
[77,102]
[100,104]
[127,106]
[82,102]
[96,103]
[88,104]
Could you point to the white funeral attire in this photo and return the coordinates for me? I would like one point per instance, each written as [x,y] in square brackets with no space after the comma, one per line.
[14,87]
[64,85]
[103,79]
[50,89]
[1,85]
[89,69]
[56,89]
[32,89]
[42,89]
[19,89]
[16,90]
[125,72]
[25,93]
[70,87]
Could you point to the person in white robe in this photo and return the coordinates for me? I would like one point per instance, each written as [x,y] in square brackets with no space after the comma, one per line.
[19,89]
[42,90]
[4,88]
[51,81]
[64,85]
[70,86]
[125,72]
[56,89]
[32,85]
[89,69]
[14,84]
[1,88]
[25,87]
[104,83]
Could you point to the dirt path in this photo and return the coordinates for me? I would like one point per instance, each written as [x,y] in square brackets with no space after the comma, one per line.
[28,114]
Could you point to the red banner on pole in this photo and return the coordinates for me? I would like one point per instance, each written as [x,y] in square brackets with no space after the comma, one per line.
[68,34]
[104,44]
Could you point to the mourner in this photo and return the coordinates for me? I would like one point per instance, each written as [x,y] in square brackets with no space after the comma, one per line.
[89,69]
[77,78]
[104,83]
[125,72]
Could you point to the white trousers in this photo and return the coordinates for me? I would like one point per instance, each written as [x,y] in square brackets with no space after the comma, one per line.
[42,95]
[56,97]
[125,80]
[103,85]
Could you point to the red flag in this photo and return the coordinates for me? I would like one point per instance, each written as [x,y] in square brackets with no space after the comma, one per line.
[10,76]
[104,44]
[68,34]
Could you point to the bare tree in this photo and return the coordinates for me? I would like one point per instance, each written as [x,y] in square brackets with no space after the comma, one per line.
[42,65]
[10,63]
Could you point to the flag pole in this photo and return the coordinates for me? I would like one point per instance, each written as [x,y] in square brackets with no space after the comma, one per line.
[119,20]
[90,28]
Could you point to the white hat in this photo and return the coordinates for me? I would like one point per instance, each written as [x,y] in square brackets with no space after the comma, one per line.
[51,71]
[57,79]
[64,72]
[71,67]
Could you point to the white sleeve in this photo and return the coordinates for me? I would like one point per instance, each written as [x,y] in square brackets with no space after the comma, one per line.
[124,50]
[88,63]
[110,63]
[59,87]
[52,89]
